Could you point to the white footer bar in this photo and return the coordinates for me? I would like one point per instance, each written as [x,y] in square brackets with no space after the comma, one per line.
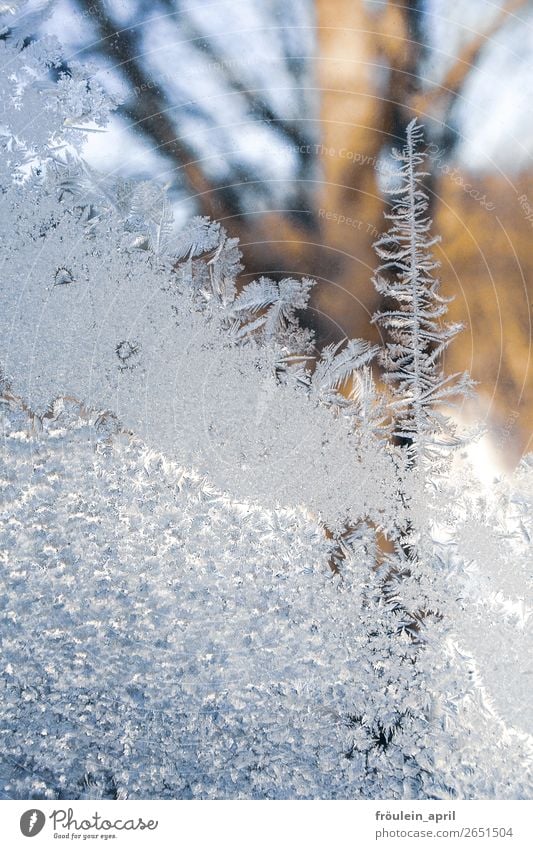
[268,825]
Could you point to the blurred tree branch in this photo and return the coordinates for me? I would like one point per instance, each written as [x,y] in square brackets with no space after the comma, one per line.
[440,97]
[148,113]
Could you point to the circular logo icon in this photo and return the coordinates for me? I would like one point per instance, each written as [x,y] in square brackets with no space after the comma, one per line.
[32,822]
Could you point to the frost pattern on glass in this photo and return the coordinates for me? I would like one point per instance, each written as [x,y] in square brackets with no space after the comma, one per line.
[103,303]
[197,599]
[161,640]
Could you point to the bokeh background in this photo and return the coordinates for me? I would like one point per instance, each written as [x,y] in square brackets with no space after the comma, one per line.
[277,118]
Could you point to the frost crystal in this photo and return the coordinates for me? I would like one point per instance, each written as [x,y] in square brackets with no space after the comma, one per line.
[418,337]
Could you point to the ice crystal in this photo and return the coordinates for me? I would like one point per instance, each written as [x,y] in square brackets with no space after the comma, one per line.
[417,336]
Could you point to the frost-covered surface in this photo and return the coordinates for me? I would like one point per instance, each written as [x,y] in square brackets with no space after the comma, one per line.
[103,302]
[199,593]
[495,617]
[87,315]
[161,640]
